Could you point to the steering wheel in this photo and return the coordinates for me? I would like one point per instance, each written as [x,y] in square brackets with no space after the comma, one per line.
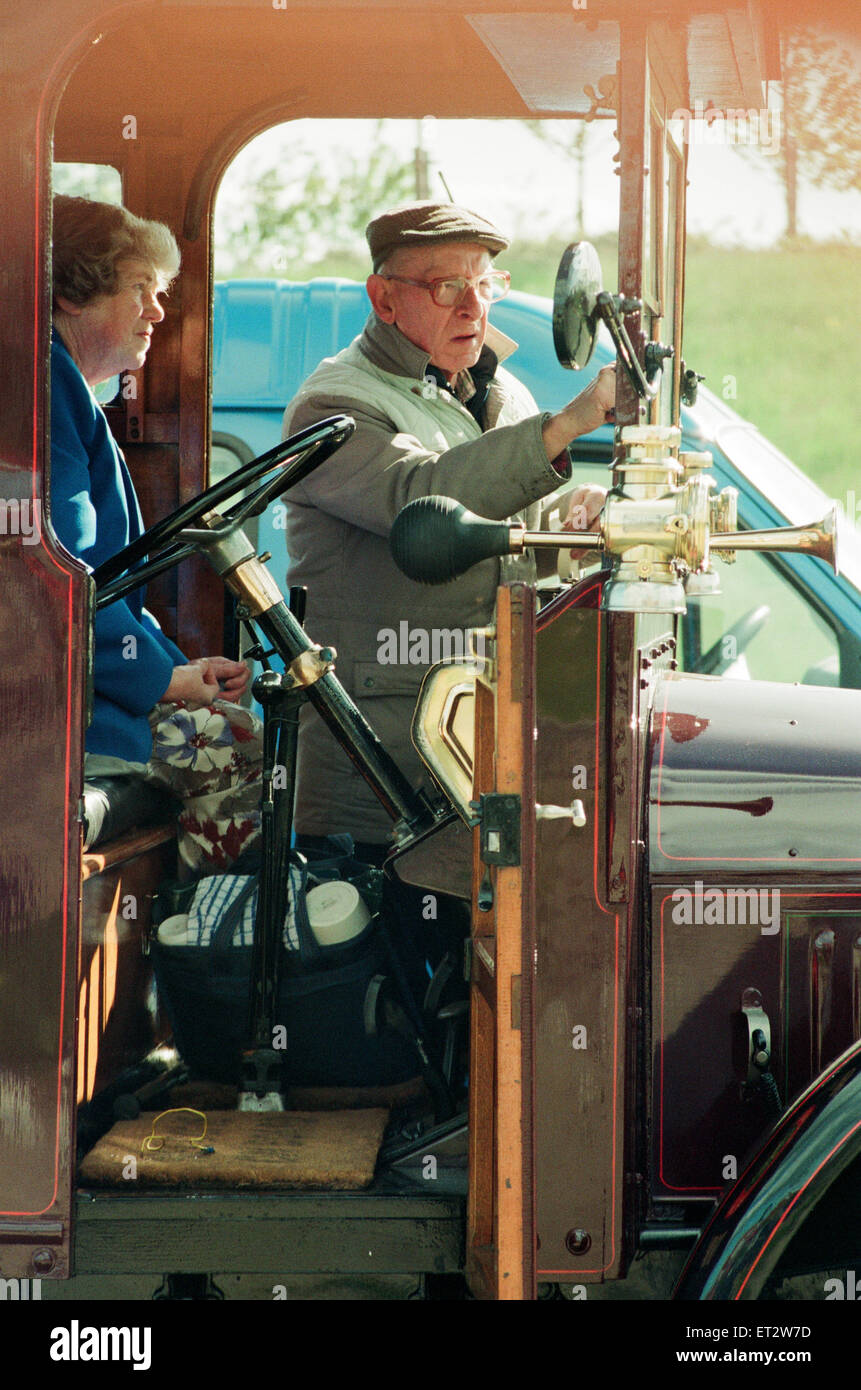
[292,460]
[717,660]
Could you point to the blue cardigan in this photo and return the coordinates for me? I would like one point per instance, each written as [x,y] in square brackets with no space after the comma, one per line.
[95,512]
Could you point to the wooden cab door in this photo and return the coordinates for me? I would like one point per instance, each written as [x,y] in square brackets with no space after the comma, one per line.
[501,1220]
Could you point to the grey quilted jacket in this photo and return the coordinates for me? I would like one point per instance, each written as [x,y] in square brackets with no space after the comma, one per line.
[412,440]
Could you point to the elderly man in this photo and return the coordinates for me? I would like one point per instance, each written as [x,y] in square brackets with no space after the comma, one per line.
[435,413]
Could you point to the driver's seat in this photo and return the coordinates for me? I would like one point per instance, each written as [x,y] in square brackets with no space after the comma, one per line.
[111,806]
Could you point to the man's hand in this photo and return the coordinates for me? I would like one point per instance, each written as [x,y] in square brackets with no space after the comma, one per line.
[594,407]
[584,508]
[208,678]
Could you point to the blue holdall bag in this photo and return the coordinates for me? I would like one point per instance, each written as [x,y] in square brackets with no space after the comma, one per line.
[202,966]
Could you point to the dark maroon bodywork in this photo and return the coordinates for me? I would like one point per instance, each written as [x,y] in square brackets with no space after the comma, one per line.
[638,1089]
[754,823]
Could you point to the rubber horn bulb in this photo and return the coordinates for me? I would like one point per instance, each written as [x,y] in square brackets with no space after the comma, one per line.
[435,539]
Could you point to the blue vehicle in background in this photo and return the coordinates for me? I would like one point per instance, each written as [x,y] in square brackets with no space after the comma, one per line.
[269,335]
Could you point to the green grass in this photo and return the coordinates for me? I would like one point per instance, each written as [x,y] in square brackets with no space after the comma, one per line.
[774,334]
[779,326]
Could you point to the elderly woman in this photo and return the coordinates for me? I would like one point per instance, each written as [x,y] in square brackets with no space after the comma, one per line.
[155,712]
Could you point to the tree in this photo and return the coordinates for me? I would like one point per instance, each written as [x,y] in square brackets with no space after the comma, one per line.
[307,205]
[100,182]
[821,118]
[569,139]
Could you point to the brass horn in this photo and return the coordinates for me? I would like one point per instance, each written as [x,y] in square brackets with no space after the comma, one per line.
[819,539]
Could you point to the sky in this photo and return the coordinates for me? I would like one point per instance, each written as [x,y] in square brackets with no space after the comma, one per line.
[529,188]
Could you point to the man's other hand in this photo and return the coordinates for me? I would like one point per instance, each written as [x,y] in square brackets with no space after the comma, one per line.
[585,505]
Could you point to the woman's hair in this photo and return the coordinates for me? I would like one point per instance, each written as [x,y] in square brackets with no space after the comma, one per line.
[90,239]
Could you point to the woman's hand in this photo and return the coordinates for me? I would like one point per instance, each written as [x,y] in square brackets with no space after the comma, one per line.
[231,677]
[208,678]
[189,684]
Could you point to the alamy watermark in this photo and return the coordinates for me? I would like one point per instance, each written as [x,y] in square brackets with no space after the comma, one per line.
[77,1343]
[420,646]
[848,1288]
[20,1290]
[718,907]
[852,508]
[21,518]
[710,125]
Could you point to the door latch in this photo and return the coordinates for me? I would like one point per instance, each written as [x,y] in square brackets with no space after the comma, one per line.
[498,815]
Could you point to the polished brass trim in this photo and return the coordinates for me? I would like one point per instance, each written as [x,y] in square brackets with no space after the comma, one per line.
[448,751]
[251,582]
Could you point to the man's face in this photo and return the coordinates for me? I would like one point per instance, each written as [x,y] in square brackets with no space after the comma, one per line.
[113,332]
[453,337]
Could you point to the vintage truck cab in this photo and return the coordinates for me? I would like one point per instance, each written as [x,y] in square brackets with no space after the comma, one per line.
[662,867]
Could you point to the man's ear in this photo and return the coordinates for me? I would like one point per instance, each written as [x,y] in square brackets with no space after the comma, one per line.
[67,306]
[380,295]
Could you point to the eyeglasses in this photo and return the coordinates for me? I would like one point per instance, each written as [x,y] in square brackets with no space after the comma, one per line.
[493,285]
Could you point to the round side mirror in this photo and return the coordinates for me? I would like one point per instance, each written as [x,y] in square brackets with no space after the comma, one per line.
[575,321]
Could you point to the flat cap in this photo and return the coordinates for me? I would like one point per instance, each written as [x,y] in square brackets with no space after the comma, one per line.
[426,224]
